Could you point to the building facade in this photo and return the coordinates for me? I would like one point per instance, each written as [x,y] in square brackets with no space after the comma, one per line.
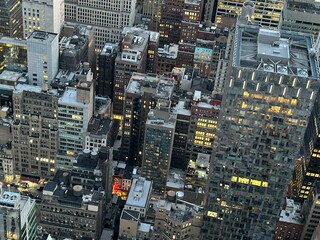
[158,143]
[263,127]
[11,18]
[34,131]
[311,213]
[75,108]
[264,13]
[43,57]
[106,64]
[42,15]
[107,18]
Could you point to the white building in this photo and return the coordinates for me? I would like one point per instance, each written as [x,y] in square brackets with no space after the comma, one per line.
[75,108]
[139,196]
[43,57]
[107,17]
[44,15]
[17,216]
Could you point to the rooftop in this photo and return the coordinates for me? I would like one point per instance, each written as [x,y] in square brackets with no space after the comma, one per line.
[161,118]
[169,51]
[10,199]
[30,88]
[144,227]
[10,76]
[109,48]
[13,41]
[283,52]
[99,126]
[176,179]
[181,108]
[130,215]
[292,213]
[160,86]
[139,192]
[42,36]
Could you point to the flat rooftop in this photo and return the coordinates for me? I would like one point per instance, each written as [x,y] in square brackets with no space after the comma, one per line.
[161,118]
[162,87]
[139,193]
[13,41]
[99,126]
[10,76]
[283,52]
[169,51]
[292,213]
[109,48]
[42,36]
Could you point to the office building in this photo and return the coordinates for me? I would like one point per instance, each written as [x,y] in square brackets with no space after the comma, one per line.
[107,18]
[268,105]
[290,224]
[18,216]
[106,65]
[139,196]
[8,81]
[167,58]
[34,130]
[310,210]
[75,109]
[6,160]
[301,16]
[141,95]
[76,46]
[11,18]
[44,15]
[203,123]
[71,212]
[13,54]
[307,172]
[100,133]
[133,57]
[43,57]
[92,170]
[177,221]
[180,156]
[157,150]
[265,13]
[191,17]
[131,226]
[170,21]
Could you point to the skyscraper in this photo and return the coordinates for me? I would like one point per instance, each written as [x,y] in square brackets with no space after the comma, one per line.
[157,151]
[11,18]
[43,57]
[44,15]
[268,104]
[106,17]
[106,62]
[141,95]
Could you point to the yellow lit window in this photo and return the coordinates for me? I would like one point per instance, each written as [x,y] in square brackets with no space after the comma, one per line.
[234,179]
[212,214]
[255,182]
